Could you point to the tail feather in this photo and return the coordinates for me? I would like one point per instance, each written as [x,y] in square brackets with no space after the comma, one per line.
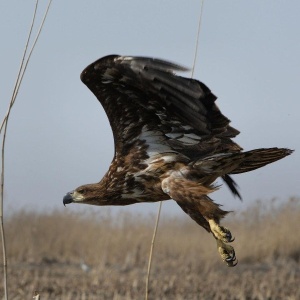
[225,164]
[258,158]
[240,162]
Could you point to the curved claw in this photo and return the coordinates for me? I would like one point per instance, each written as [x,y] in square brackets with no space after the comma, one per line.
[227,253]
[229,237]
[232,264]
[231,261]
[232,257]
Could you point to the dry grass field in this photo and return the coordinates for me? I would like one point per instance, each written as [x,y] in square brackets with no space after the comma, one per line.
[67,256]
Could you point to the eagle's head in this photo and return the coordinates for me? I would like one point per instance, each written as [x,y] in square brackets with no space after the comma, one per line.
[86,194]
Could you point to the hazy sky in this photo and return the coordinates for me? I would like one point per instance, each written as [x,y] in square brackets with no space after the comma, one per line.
[59,136]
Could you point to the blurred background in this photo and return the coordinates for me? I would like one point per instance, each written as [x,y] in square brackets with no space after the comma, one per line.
[58,134]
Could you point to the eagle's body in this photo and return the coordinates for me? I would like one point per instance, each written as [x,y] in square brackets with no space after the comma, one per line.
[171,141]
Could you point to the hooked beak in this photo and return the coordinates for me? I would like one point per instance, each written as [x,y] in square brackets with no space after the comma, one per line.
[68,198]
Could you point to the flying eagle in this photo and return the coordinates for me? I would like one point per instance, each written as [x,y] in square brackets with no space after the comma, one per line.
[171,141]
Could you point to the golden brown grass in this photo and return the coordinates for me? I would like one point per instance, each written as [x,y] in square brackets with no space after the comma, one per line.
[67,256]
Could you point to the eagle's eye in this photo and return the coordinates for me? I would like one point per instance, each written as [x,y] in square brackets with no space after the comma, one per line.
[81,190]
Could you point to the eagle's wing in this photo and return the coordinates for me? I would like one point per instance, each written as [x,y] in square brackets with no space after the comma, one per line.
[137,92]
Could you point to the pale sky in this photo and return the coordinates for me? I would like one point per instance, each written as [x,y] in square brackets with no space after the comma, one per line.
[59,136]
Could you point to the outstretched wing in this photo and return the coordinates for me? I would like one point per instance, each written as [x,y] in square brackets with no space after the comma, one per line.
[139,92]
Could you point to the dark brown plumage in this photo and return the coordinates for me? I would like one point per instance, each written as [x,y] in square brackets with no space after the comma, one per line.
[171,141]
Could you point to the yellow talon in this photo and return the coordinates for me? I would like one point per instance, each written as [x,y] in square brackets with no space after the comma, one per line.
[220,232]
[227,253]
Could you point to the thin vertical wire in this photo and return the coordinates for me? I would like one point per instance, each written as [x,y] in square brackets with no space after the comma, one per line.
[160,204]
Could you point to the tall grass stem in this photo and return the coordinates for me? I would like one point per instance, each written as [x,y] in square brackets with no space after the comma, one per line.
[151,250]
[4,124]
[160,205]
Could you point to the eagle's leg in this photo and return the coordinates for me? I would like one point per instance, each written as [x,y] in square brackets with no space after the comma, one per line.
[208,215]
[223,236]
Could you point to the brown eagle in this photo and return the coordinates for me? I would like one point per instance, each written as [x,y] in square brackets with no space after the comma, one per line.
[171,141]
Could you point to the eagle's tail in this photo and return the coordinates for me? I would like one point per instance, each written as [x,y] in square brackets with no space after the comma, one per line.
[254,159]
[239,162]
[224,164]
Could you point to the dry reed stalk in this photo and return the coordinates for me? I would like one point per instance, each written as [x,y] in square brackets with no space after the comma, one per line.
[197,39]
[151,250]
[19,79]
[160,205]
